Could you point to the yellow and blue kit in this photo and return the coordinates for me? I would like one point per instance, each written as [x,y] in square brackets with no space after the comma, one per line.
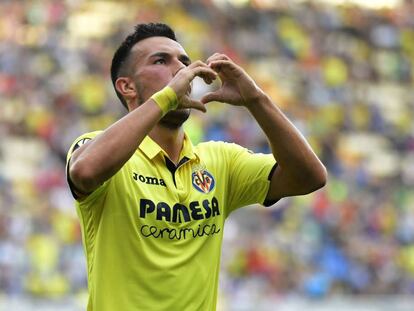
[152,233]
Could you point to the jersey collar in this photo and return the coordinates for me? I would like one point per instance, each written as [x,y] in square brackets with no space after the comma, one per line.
[151,149]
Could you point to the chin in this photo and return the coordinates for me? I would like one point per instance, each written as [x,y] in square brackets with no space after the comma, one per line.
[175,118]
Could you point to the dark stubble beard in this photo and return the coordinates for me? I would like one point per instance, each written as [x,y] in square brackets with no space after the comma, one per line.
[174,119]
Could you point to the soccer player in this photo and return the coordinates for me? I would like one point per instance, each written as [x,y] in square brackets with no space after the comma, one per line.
[152,206]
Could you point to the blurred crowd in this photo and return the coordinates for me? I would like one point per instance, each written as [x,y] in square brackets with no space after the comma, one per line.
[344,75]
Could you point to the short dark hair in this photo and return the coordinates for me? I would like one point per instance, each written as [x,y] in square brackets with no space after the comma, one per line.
[142,31]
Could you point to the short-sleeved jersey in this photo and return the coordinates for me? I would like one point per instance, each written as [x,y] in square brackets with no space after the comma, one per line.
[152,233]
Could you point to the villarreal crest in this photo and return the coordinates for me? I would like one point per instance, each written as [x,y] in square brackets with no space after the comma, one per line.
[203,181]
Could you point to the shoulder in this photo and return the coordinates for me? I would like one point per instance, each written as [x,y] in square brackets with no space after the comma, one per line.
[219,146]
[81,140]
[87,136]
[222,150]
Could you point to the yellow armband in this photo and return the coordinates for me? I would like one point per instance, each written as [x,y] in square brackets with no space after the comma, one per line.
[166,99]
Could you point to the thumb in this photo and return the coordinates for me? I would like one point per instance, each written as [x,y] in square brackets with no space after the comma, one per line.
[213,96]
[195,104]
[188,102]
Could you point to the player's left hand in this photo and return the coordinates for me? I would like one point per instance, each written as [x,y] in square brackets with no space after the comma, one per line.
[237,88]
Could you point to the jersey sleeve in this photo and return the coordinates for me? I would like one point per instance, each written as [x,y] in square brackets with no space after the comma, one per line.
[81,140]
[249,176]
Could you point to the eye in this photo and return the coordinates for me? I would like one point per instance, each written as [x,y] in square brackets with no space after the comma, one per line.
[185,61]
[159,61]
[186,64]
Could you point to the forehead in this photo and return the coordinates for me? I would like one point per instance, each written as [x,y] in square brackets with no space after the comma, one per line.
[147,47]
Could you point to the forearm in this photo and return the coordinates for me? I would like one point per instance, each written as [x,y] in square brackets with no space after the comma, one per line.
[299,170]
[100,159]
[302,170]
[95,162]
[288,146]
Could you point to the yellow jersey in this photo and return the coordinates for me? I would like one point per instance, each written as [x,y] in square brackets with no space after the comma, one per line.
[152,233]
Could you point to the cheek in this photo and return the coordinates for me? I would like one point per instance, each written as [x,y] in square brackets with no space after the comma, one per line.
[156,77]
[152,79]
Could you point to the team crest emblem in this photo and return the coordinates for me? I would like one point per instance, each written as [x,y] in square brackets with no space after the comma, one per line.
[203,181]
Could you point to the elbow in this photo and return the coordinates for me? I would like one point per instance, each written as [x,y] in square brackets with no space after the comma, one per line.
[82,176]
[317,178]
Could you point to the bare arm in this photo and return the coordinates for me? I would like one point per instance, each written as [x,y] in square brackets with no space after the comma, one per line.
[299,170]
[95,162]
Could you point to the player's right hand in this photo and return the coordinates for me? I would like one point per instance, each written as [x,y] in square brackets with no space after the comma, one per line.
[181,84]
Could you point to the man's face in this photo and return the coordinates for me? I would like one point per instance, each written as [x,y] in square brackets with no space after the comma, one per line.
[155,61]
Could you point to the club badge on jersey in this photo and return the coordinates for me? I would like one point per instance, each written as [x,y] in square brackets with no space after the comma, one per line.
[203,181]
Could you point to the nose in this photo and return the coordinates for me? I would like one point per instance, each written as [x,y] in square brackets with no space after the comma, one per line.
[178,65]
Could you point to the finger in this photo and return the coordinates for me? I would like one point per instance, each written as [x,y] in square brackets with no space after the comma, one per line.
[188,102]
[209,80]
[183,78]
[196,69]
[217,65]
[197,63]
[195,104]
[212,57]
[213,96]
[217,56]
[206,73]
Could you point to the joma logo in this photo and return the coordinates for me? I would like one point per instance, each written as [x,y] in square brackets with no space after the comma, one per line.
[148,179]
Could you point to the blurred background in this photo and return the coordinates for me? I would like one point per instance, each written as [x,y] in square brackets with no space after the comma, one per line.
[342,71]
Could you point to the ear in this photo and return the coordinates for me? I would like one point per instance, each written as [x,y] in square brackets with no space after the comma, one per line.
[126,87]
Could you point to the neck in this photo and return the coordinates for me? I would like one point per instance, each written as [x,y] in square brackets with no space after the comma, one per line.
[171,141]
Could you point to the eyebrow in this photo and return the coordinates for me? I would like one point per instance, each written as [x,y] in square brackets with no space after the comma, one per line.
[183,58]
